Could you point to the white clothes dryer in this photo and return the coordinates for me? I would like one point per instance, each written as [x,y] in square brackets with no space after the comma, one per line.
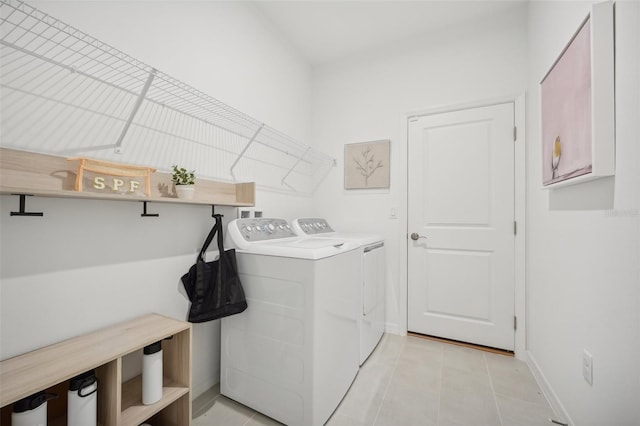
[371,280]
[293,353]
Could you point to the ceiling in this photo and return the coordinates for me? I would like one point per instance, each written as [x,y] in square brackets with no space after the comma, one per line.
[325,31]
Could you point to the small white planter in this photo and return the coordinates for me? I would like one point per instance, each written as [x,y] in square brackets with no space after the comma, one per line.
[185,192]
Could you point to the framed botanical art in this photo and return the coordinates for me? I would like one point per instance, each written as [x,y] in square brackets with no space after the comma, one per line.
[577,105]
[366,165]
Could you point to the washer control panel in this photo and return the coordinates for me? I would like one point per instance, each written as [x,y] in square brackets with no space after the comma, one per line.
[261,229]
[313,226]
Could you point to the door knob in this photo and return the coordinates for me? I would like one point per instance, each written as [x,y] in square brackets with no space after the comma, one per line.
[415,236]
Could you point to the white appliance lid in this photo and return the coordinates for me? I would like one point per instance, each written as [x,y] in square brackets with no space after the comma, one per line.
[300,248]
[262,240]
[319,228]
[362,239]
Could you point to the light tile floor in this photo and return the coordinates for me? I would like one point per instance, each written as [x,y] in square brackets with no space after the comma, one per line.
[412,381]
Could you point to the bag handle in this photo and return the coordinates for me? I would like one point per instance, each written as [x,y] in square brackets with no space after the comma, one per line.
[222,294]
[218,225]
[217,228]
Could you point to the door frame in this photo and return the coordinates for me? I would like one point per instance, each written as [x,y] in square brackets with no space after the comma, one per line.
[520,192]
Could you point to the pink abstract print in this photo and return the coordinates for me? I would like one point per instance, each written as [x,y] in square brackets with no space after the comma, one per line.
[566,112]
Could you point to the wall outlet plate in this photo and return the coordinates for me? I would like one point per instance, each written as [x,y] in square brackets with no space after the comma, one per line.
[587,367]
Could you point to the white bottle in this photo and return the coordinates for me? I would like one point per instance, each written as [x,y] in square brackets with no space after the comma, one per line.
[152,373]
[82,400]
[32,410]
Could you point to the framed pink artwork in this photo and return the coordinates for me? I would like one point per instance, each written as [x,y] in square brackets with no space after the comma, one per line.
[577,105]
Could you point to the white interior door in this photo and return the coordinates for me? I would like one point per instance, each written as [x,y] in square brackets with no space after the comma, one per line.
[461,210]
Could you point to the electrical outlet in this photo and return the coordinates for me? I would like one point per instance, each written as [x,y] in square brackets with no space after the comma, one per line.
[587,367]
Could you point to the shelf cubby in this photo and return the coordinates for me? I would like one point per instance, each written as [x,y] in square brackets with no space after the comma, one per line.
[119,404]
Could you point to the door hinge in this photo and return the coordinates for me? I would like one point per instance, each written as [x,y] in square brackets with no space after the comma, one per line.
[515,228]
[515,133]
[515,322]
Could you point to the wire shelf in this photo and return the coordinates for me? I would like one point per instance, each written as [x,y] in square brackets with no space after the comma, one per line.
[65,92]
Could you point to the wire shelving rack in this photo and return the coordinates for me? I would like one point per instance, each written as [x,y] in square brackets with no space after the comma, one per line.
[66,93]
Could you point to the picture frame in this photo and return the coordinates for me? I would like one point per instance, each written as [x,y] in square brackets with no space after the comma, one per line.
[367,165]
[577,102]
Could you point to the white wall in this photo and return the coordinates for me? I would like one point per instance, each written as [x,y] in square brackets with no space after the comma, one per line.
[225,49]
[88,264]
[583,241]
[365,98]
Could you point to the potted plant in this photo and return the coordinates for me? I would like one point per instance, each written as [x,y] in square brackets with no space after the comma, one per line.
[184,181]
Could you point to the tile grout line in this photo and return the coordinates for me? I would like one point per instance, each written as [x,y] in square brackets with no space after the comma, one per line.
[493,390]
[386,389]
[441,384]
[249,419]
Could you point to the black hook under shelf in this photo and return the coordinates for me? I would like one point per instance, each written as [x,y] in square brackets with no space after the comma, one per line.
[22,211]
[144,211]
[213,211]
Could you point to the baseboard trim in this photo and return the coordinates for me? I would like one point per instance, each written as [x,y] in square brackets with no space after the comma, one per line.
[557,407]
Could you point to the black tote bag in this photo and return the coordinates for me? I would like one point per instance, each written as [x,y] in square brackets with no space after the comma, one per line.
[214,288]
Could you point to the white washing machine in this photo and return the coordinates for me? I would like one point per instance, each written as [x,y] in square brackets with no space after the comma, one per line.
[371,321]
[293,353]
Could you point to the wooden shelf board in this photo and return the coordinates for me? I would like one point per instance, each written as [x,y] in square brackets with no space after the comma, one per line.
[6,190]
[43,368]
[134,412]
[52,176]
